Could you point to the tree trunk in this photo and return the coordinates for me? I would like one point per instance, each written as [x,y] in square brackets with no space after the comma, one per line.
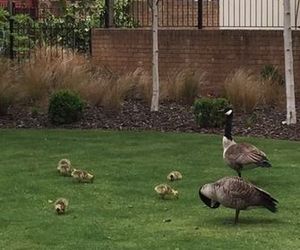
[297,14]
[155,75]
[289,65]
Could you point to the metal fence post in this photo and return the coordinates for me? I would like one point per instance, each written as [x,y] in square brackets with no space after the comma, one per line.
[11,29]
[109,13]
[200,13]
[106,13]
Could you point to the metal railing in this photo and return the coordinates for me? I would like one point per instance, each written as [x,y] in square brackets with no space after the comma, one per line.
[20,42]
[184,13]
[20,39]
[223,14]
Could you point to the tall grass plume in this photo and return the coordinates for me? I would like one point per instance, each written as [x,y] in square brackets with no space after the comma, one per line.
[185,86]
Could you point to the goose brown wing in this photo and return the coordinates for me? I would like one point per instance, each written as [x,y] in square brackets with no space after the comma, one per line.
[238,193]
[236,187]
[244,153]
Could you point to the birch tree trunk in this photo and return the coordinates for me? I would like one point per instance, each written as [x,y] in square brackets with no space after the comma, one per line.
[155,75]
[297,14]
[289,65]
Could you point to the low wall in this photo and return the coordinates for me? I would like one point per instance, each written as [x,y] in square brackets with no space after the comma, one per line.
[218,52]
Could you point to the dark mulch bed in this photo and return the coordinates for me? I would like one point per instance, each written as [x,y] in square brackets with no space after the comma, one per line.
[171,117]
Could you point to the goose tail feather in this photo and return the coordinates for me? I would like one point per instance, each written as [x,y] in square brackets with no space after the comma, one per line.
[264,164]
[268,201]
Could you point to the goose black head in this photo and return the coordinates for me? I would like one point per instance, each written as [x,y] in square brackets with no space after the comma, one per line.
[207,201]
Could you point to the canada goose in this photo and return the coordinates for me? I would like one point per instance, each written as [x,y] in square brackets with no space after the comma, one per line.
[174,176]
[234,192]
[241,156]
[64,167]
[166,192]
[61,205]
[82,175]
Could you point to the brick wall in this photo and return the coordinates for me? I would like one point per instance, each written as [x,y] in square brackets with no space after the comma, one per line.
[214,51]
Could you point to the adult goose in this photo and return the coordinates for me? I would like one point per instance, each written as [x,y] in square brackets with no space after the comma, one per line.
[234,192]
[241,156]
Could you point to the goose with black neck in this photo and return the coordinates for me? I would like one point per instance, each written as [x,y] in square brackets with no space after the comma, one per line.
[240,156]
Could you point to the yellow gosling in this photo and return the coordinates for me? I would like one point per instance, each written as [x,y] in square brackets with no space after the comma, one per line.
[82,176]
[61,205]
[166,192]
[174,176]
[64,167]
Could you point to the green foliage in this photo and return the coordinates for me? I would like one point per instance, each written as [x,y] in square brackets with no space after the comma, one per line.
[65,107]
[208,113]
[71,29]
[3,18]
[3,30]
[271,73]
[22,35]
[122,16]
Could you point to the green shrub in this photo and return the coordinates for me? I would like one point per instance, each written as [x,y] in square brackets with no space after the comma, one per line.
[208,113]
[65,107]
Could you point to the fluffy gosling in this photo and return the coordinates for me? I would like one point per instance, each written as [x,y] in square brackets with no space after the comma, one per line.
[174,176]
[82,176]
[166,192]
[64,167]
[61,205]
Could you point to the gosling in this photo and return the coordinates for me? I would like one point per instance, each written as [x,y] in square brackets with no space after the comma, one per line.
[64,167]
[166,192]
[61,205]
[82,176]
[174,176]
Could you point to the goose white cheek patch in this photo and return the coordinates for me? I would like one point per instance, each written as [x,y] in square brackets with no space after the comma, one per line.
[228,112]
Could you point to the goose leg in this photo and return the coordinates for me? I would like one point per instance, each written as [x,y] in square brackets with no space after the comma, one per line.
[239,173]
[236,216]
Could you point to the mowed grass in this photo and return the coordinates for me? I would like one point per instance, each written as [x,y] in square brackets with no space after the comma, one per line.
[120,209]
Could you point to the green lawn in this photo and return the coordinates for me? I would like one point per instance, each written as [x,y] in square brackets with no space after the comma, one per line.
[120,209]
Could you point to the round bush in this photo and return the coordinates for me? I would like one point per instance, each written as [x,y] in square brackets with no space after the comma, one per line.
[208,113]
[65,107]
